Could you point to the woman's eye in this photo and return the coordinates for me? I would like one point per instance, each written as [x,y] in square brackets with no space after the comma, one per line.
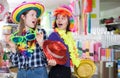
[32,14]
[58,18]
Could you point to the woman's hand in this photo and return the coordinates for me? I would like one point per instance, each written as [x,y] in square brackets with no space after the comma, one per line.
[52,62]
[39,38]
[11,44]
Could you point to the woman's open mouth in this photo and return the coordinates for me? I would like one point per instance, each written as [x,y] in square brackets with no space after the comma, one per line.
[34,22]
[60,25]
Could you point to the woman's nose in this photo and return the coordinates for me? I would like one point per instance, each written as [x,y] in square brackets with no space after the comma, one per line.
[60,20]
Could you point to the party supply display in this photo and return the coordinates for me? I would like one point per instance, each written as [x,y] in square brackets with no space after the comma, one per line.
[39,8]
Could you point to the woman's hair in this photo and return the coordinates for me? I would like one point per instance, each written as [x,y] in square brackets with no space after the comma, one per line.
[68,26]
[22,27]
[1,47]
[22,23]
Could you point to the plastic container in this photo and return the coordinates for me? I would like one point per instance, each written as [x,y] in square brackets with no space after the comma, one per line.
[6,30]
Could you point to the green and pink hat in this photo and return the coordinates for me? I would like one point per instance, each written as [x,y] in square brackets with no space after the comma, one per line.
[26,6]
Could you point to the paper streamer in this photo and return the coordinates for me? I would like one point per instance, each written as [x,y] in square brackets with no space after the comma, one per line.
[91,50]
[79,45]
[87,46]
[112,54]
[108,54]
[89,23]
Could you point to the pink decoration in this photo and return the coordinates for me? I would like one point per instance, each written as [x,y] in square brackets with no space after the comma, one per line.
[97,47]
[1,8]
[102,54]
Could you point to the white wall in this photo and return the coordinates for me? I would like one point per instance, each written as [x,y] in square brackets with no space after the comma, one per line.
[110,13]
[2,23]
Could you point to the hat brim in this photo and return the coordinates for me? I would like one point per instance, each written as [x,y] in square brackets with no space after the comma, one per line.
[86,68]
[39,8]
[60,61]
[62,11]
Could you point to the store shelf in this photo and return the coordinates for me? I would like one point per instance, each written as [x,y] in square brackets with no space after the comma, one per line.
[110,24]
[115,23]
[13,25]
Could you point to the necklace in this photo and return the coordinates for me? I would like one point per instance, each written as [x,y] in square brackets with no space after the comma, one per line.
[26,48]
[71,45]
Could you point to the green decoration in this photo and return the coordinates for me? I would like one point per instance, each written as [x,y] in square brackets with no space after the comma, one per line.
[5,56]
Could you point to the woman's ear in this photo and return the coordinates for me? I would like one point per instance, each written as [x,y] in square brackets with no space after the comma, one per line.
[23,17]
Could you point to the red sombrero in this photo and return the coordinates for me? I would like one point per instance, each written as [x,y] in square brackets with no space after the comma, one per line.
[55,50]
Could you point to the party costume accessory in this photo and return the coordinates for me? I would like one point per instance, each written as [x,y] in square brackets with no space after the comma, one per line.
[28,37]
[55,50]
[39,8]
[70,42]
[26,43]
[65,10]
[86,69]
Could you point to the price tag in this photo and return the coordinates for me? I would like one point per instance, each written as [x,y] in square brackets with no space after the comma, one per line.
[109,64]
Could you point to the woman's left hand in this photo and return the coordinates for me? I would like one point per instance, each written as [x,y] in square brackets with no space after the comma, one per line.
[39,38]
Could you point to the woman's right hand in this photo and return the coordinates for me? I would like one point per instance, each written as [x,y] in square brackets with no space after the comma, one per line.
[10,43]
[52,62]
